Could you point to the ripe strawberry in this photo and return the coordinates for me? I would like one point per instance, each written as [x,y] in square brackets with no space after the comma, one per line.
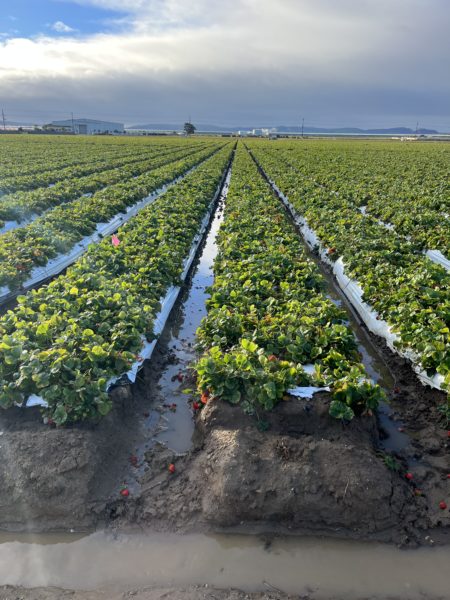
[125,493]
[180,377]
[409,476]
[172,468]
[195,405]
[442,505]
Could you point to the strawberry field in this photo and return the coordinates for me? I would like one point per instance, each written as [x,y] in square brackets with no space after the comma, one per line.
[331,258]
[375,207]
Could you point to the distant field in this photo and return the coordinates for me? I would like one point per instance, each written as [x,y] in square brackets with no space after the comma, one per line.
[378,210]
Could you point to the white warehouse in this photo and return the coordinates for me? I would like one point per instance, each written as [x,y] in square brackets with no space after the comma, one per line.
[86,126]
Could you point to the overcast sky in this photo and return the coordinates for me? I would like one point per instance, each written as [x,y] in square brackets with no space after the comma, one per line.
[231,62]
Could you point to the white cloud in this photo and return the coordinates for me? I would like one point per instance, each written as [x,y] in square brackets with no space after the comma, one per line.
[259,55]
[61,27]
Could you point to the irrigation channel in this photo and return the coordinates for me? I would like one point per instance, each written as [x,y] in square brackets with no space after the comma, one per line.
[316,568]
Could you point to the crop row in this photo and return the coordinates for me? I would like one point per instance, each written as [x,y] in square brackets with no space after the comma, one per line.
[27,155]
[21,206]
[406,290]
[95,165]
[270,326]
[58,230]
[64,341]
[410,192]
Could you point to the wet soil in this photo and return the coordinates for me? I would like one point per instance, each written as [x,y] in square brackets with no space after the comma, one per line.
[191,593]
[151,593]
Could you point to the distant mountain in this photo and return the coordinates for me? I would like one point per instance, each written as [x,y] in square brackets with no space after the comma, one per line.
[357,130]
[288,129]
[179,127]
[18,124]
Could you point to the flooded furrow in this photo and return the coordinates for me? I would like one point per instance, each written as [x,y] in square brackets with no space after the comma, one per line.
[169,418]
[318,568]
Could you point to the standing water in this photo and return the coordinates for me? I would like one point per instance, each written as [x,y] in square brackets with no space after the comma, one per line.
[179,427]
[316,567]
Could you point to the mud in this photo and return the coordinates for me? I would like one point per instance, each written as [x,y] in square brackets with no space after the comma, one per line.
[307,474]
[191,593]
[60,478]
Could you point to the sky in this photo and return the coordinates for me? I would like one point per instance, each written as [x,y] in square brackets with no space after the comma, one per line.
[363,63]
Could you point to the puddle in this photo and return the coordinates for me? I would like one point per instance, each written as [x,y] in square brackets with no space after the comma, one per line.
[171,423]
[321,568]
[179,424]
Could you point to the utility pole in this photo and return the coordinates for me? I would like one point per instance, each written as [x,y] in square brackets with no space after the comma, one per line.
[417,128]
[73,126]
[4,120]
[303,125]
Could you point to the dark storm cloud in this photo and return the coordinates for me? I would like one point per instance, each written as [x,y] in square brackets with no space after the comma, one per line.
[245,62]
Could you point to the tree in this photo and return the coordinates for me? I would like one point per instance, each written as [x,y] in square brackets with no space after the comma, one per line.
[189,129]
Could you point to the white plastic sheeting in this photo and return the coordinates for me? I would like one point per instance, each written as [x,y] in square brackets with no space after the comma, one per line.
[307,391]
[11,225]
[354,294]
[437,257]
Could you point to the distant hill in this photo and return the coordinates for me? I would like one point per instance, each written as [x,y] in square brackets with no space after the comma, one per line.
[179,127]
[287,129]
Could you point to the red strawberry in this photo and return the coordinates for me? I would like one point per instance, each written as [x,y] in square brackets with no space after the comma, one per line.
[125,493]
[180,377]
[442,505]
[172,468]
[195,405]
[409,476]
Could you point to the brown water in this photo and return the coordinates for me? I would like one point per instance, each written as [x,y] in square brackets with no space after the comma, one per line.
[319,567]
[178,426]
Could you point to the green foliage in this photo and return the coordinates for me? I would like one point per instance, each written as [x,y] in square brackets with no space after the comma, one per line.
[65,340]
[268,313]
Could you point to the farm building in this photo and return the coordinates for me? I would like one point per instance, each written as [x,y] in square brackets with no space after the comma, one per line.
[86,126]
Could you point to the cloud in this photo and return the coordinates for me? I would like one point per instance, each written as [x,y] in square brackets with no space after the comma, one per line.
[245,59]
[61,27]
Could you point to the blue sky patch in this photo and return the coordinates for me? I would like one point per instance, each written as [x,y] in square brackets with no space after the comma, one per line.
[30,18]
